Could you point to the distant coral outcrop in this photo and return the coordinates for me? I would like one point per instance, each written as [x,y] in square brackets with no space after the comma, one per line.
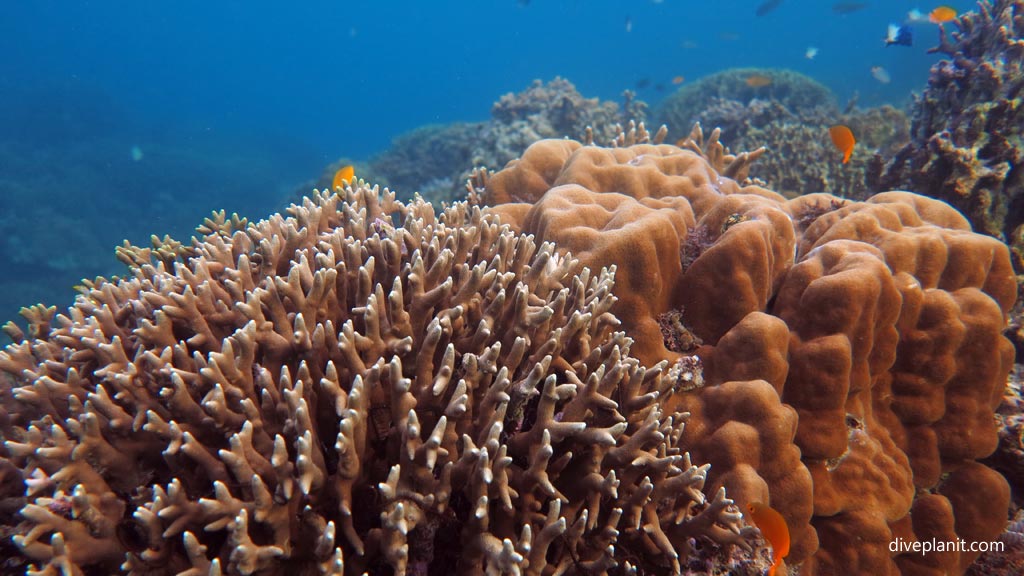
[789,114]
[436,160]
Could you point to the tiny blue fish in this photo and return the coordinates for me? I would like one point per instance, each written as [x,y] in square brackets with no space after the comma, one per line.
[900,35]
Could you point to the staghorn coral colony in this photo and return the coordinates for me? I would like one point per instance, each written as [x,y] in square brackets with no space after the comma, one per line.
[360,386]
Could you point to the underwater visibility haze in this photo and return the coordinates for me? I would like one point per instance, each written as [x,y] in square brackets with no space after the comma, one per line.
[229,104]
[656,287]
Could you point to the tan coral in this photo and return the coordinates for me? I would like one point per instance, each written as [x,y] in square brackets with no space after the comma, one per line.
[876,323]
[362,385]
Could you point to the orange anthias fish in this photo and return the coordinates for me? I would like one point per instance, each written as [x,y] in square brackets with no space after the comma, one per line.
[758,80]
[774,529]
[843,138]
[941,14]
[343,176]
[678,80]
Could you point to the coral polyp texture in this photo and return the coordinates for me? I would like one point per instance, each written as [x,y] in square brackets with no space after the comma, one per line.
[851,352]
[358,386]
[967,127]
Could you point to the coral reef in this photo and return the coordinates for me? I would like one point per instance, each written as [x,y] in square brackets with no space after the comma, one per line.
[790,118]
[857,344]
[552,110]
[786,88]
[359,386]
[429,160]
[802,160]
[436,160]
[966,133]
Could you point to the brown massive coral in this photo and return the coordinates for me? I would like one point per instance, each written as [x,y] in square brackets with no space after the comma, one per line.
[360,386]
[853,343]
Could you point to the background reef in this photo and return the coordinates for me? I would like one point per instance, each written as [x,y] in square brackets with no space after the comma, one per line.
[966,145]
[790,117]
[436,161]
[226,121]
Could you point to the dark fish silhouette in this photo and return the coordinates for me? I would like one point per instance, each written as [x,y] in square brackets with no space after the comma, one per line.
[848,7]
[767,6]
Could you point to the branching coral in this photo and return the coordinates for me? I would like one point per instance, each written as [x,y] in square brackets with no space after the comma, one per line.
[361,385]
[851,352]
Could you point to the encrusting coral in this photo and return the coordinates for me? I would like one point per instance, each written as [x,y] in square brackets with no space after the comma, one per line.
[362,385]
[857,344]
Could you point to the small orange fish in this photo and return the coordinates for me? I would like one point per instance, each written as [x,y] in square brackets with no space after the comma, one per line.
[843,138]
[758,80]
[343,176]
[774,529]
[678,80]
[941,14]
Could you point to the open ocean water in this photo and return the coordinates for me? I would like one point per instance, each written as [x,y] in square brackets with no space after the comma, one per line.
[122,119]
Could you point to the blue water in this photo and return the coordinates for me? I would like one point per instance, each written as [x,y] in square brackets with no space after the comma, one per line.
[232,104]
